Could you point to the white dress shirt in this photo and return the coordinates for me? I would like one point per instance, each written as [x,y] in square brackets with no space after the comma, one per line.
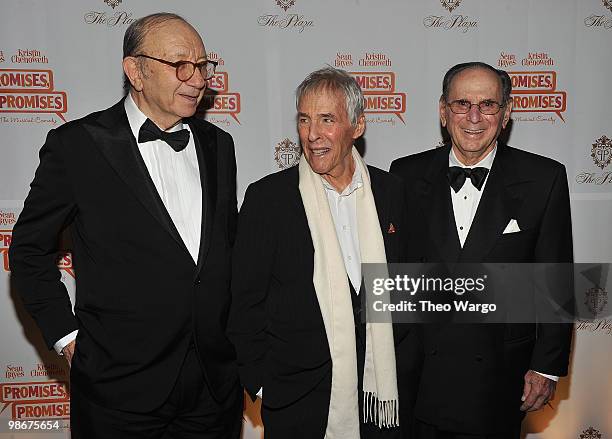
[343,208]
[465,203]
[176,176]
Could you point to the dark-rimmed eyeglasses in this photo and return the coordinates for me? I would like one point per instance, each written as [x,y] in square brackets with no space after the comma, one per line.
[186,69]
[488,107]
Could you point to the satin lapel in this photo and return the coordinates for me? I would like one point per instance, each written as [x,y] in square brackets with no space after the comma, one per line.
[496,208]
[435,201]
[115,140]
[206,150]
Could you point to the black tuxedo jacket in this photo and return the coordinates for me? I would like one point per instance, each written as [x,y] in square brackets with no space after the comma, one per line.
[473,374]
[140,299]
[276,323]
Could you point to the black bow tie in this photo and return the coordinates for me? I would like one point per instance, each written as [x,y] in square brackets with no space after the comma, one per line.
[177,140]
[457,176]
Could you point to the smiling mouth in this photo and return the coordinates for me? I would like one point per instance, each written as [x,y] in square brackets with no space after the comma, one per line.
[319,152]
[191,98]
[473,131]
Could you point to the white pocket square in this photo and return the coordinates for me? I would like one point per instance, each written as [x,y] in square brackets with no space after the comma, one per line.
[512,227]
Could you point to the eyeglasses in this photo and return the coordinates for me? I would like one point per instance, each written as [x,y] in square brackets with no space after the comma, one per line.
[488,107]
[186,69]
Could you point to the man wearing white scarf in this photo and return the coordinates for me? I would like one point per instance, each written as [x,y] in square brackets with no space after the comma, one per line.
[296,315]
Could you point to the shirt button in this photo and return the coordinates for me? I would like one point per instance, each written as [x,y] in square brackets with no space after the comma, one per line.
[350,258]
[344,228]
[465,198]
[461,228]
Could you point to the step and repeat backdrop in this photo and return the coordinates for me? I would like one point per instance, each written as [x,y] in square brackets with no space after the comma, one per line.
[60,60]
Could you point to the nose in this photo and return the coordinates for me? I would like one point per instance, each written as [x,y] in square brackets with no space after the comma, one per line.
[313,131]
[197,80]
[474,115]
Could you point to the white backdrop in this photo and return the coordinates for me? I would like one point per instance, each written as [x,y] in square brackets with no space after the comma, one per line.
[60,60]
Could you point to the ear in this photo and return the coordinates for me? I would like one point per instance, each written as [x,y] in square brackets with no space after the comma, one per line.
[507,112]
[442,107]
[359,127]
[132,71]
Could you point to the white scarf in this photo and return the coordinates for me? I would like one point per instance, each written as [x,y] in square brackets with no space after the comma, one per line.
[331,285]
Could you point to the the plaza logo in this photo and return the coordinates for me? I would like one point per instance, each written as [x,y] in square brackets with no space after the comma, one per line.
[601,152]
[116,18]
[384,104]
[30,91]
[450,4]
[457,22]
[590,433]
[596,300]
[287,154]
[294,21]
[599,20]
[285,4]
[112,3]
[220,101]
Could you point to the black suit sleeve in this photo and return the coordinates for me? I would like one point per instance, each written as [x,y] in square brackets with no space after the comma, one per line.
[232,206]
[48,209]
[252,262]
[554,244]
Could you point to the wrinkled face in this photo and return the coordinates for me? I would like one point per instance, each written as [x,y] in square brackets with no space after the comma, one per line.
[160,95]
[327,136]
[474,134]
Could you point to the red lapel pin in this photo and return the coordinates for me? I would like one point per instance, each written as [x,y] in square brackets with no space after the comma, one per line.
[391,228]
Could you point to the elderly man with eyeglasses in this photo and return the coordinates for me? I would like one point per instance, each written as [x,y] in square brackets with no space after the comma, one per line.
[478,200]
[148,195]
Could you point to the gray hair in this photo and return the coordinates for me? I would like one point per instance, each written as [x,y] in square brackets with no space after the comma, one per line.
[504,78]
[334,80]
[133,40]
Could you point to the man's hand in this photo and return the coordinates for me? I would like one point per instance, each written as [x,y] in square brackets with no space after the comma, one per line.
[538,390]
[68,352]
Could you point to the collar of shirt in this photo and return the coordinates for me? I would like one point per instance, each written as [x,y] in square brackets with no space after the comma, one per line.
[356,183]
[485,162]
[136,118]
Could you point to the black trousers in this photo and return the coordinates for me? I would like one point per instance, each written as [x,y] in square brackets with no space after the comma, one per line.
[427,431]
[189,412]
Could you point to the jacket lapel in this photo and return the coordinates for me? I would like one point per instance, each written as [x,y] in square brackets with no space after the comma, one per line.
[206,150]
[116,142]
[497,206]
[435,201]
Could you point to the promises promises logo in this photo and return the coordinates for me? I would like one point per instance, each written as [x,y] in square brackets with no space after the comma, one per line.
[382,100]
[64,259]
[36,400]
[219,100]
[30,91]
[534,92]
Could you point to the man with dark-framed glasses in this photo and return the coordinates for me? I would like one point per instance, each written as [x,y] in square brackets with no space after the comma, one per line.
[148,194]
[477,200]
